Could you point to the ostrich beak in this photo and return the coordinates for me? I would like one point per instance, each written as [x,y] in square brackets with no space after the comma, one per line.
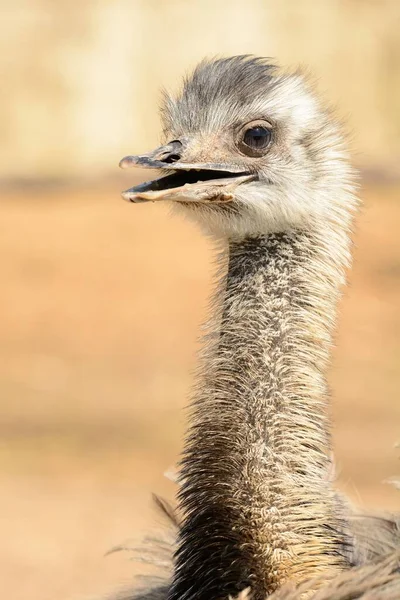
[184,182]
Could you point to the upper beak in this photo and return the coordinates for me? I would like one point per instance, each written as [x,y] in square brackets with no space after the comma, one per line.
[184,181]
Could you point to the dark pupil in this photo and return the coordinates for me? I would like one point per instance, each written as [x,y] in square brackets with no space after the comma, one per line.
[257,137]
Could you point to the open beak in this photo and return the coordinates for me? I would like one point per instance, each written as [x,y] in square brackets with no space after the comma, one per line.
[184,182]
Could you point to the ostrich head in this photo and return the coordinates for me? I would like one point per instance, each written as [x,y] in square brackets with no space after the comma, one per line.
[248,151]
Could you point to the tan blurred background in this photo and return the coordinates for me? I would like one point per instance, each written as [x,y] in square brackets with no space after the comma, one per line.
[101,302]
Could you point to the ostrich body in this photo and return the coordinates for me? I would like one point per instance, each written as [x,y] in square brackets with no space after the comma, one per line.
[262,168]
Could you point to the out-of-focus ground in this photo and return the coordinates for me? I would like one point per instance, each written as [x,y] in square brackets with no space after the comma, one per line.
[100,310]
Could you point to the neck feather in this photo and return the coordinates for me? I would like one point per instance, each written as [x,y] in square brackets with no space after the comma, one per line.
[258,507]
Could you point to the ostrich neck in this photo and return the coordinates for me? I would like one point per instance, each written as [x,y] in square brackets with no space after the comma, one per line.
[257,503]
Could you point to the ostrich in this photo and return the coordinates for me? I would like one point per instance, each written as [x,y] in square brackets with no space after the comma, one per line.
[252,157]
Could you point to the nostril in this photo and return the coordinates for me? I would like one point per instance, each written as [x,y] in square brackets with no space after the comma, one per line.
[171,158]
[171,152]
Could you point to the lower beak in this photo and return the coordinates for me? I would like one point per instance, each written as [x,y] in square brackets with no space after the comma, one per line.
[184,182]
[214,190]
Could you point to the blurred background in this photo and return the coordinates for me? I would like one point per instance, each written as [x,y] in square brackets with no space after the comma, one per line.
[101,302]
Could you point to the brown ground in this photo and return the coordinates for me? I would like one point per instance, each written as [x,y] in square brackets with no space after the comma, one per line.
[100,309]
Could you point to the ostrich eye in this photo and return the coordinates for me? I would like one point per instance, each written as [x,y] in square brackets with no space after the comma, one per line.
[257,137]
[255,140]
